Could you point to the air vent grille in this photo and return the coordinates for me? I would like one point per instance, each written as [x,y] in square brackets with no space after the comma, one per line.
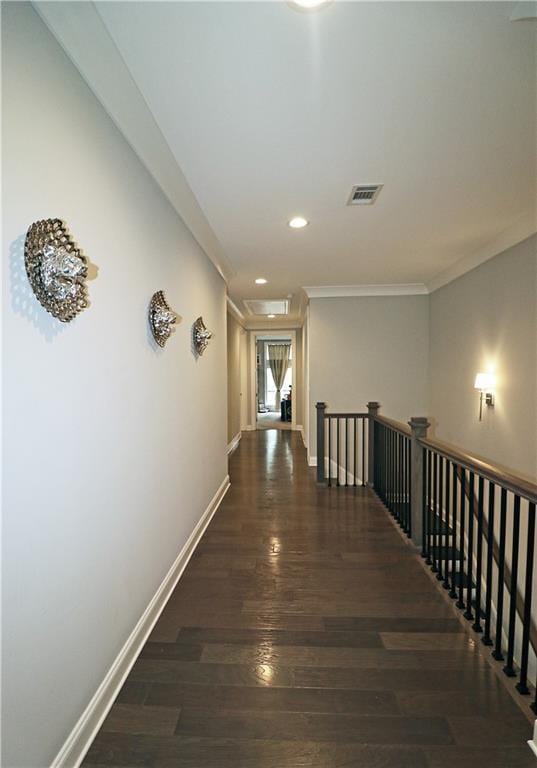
[364,194]
[267,306]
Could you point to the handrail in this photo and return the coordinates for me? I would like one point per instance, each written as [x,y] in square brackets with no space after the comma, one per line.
[403,429]
[346,415]
[495,474]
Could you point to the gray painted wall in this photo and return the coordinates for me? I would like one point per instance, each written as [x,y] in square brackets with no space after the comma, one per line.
[487,319]
[115,447]
[368,348]
[234,332]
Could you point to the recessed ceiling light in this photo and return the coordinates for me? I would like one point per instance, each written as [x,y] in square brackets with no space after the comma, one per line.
[309,3]
[271,316]
[260,280]
[298,222]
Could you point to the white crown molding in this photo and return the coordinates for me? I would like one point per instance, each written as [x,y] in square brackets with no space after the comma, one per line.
[525,227]
[234,310]
[343,291]
[83,35]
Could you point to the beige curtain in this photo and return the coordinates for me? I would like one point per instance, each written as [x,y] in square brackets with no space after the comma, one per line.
[278,357]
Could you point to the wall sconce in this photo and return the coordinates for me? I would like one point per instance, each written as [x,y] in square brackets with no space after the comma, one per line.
[485,383]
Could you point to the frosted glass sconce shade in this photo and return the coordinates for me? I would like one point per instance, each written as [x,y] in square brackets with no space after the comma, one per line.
[485,382]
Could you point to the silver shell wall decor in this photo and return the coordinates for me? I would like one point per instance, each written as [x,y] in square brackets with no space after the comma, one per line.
[200,336]
[161,318]
[56,269]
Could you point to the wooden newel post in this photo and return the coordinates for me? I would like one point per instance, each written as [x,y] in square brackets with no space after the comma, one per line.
[321,407]
[372,410]
[419,426]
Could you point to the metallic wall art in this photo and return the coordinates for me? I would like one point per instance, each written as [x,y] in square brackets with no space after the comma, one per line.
[200,336]
[161,318]
[56,269]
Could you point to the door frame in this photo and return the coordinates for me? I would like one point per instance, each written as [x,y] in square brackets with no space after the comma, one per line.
[276,335]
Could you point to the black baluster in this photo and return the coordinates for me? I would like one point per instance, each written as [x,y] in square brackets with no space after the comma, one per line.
[522,685]
[497,652]
[447,526]
[460,601]
[408,507]
[399,476]
[434,567]
[329,451]
[468,614]
[384,459]
[509,669]
[392,471]
[476,626]
[338,473]
[441,538]
[406,487]
[425,503]
[346,451]
[453,590]
[374,470]
[363,452]
[429,506]
[354,454]
[389,494]
[486,639]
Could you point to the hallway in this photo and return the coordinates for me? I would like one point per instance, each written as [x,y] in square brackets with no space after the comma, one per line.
[305,632]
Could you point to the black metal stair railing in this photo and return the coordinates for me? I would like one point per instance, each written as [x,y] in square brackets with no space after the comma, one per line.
[473,515]
[474,523]
[342,443]
[391,470]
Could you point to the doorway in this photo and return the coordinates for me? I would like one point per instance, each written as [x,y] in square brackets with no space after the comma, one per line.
[273,406]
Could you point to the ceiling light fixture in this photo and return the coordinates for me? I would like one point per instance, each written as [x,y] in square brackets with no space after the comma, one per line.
[298,222]
[260,280]
[271,317]
[309,4]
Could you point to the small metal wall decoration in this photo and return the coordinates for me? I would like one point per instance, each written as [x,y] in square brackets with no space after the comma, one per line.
[161,318]
[56,269]
[200,336]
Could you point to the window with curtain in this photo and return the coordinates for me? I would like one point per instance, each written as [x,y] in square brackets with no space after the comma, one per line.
[272,396]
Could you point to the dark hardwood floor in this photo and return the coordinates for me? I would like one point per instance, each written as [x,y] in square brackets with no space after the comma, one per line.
[305,632]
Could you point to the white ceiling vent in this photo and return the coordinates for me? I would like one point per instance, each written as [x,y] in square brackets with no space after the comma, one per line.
[267,306]
[364,194]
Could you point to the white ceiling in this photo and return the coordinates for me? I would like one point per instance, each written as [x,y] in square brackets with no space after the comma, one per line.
[270,112]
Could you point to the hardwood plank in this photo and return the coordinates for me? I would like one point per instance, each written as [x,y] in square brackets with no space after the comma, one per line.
[276,637]
[427,641]
[470,757]
[323,700]
[178,651]
[164,671]
[136,719]
[364,658]
[201,752]
[313,726]
[389,624]
[490,730]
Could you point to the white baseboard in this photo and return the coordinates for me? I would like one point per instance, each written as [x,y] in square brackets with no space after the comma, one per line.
[312,461]
[533,742]
[250,428]
[79,740]
[234,443]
